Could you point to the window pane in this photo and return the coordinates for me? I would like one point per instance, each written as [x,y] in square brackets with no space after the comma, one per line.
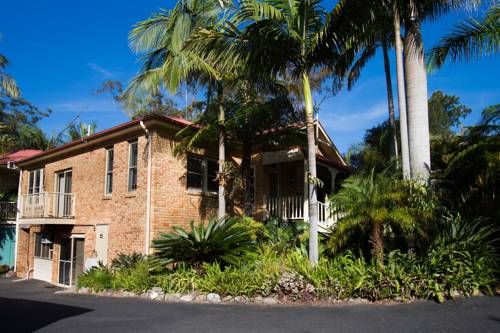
[109,183]
[36,188]
[194,180]
[132,179]
[38,244]
[110,160]
[132,173]
[212,185]
[195,165]
[212,169]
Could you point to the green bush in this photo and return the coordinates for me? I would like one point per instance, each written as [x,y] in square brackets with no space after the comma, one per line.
[225,241]
[182,280]
[136,279]
[96,279]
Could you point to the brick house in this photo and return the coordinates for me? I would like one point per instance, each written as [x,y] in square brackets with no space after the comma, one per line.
[114,191]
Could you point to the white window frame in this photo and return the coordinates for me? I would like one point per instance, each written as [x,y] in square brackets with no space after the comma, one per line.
[44,240]
[33,188]
[108,171]
[204,170]
[130,167]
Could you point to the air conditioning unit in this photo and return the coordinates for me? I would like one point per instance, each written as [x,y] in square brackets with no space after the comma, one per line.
[11,165]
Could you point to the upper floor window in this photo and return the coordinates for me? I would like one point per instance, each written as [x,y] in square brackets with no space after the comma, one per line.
[35,182]
[133,152]
[108,186]
[202,174]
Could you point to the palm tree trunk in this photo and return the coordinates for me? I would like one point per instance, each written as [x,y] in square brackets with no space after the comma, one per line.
[311,160]
[416,97]
[222,153]
[246,172]
[377,242]
[390,101]
[403,123]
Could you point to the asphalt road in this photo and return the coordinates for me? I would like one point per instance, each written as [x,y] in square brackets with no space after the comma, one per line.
[29,306]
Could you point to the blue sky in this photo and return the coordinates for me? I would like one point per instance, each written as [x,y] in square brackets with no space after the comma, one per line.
[61,51]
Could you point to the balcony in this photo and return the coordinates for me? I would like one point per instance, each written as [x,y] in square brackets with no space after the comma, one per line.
[46,207]
[296,208]
[8,211]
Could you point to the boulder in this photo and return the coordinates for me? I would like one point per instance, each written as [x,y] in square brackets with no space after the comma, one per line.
[187,298]
[213,298]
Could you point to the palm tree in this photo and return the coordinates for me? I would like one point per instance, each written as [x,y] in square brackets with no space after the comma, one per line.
[368,38]
[278,38]
[371,203]
[470,39]
[251,108]
[7,83]
[161,40]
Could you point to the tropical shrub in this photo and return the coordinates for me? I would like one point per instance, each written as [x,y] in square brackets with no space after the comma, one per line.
[97,279]
[136,278]
[283,235]
[127,260]
[181,280]
[226,241]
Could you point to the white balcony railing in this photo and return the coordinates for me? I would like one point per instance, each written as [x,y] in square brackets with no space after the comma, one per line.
[48,205]
[295,208]
[8,210]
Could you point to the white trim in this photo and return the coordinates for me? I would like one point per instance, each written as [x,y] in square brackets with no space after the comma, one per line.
[130,144]
[79,236]
[18,214]
[147,236]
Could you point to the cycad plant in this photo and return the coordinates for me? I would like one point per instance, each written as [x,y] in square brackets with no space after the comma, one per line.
[224,240]
[371,203]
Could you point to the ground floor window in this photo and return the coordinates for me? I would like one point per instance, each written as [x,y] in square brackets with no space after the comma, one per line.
[43,245]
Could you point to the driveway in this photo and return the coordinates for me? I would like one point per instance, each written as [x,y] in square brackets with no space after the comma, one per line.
[32,305]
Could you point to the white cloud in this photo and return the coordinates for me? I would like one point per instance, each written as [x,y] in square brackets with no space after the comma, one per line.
[99,69]
[345,121]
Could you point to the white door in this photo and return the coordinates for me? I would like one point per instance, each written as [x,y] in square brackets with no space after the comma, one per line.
[63,189]
[101,243]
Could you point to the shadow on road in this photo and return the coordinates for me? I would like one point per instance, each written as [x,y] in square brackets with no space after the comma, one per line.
[20,315]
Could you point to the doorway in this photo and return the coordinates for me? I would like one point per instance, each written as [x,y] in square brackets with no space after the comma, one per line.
[71,259]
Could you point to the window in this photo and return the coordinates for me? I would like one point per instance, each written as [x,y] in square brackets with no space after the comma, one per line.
[108,187]
[43,246]
[132,166]
[202,174]
[35,183]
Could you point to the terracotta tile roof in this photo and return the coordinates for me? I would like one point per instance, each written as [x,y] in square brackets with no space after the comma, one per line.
[19,155]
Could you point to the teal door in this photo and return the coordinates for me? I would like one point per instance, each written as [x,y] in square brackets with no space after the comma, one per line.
[7,244]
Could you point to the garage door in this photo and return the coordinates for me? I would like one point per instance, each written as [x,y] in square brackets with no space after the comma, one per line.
[7,244]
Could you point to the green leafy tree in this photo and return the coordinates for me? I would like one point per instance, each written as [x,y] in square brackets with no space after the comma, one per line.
[445,113]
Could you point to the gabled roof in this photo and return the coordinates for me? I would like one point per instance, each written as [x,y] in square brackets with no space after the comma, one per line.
[18,155]
[329,153]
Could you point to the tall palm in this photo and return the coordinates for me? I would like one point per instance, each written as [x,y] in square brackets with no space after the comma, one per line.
[470,39]
[161,40]
[413,13]
[279,38]
[370,203]
[7,83]
[366,39]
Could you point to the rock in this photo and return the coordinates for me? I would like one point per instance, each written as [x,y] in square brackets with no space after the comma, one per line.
[125,293]
[213,298]
[269,301]
[172,298]
[187,298]
[241,299]
[258,299]
[228,299]
[454,294]
[201,298]
[156,294]
[83,290]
